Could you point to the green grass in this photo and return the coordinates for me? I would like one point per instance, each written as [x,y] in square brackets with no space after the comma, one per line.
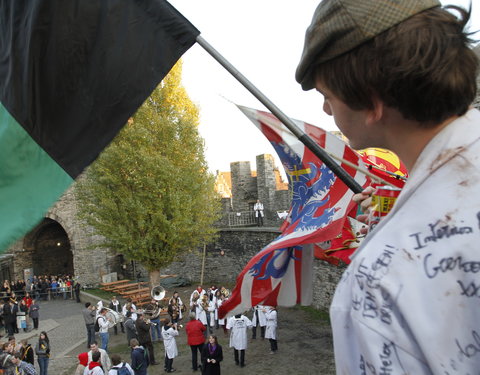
[316,314]
[101,293]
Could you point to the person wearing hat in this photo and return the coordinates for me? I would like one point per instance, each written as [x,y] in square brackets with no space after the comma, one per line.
[401,75]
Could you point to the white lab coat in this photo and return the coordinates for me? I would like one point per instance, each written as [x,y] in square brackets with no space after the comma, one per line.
[408,302]
[200,294]
[271,330]
[258,208]
[169,341]
[238,331]
[211,311]
[180,305]
[262,320]
[124,311]
[200,313]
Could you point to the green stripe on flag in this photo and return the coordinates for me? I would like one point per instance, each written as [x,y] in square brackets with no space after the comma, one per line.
[30,181]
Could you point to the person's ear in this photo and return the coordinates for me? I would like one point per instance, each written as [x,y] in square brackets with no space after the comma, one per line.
[375,114]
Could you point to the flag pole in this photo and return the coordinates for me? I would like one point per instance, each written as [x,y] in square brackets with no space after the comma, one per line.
[299,133]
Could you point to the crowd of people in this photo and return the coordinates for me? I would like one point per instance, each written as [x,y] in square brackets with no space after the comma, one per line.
[143,327]
[19,308]
[20,312]
[43,287]
[18,357]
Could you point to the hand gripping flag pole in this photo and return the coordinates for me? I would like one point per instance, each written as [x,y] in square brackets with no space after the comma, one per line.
[300,134]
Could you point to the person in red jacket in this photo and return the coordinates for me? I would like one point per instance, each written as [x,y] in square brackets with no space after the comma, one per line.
[195,338]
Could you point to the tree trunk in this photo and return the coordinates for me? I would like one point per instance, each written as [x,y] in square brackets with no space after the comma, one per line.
[154,278]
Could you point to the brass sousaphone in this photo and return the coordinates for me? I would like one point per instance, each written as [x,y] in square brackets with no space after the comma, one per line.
[158,293]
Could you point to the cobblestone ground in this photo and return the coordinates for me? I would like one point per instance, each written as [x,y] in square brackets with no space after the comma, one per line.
[68,335]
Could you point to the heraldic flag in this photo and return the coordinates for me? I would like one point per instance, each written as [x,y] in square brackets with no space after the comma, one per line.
[281,273]
[71,74]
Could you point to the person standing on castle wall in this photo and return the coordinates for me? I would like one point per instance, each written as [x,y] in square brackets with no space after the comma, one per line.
[258,208]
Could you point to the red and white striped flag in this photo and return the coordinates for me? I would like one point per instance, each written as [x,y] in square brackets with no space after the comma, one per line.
[280,274]
[273,277]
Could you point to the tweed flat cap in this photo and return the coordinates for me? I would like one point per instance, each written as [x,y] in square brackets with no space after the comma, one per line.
[338,26]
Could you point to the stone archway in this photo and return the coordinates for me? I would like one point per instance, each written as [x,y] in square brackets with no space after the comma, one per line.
[50,249]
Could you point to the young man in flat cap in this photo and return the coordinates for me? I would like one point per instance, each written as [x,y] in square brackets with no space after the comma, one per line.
[401,75]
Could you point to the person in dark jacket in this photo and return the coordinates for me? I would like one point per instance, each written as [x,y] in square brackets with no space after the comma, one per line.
[139,358]
[144,337]
[26,352]
[212,355]
[195,338]
[130,327]
[76,288]
[33,313]
[42,350]
[10,316]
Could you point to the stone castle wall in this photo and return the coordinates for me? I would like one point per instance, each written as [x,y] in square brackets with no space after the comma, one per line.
[90,261]
[239,246]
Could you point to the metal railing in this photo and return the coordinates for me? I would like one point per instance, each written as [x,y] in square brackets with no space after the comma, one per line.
[241,219]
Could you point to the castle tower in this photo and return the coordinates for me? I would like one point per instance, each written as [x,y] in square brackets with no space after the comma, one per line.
[244,189]
[266,182]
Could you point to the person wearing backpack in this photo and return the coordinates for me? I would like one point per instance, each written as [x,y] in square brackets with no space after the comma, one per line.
[139,358]
[119,367]
[103,325]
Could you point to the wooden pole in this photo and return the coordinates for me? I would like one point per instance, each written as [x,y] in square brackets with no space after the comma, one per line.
[203,263]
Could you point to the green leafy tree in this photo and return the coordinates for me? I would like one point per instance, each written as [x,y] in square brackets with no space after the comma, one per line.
[150,194]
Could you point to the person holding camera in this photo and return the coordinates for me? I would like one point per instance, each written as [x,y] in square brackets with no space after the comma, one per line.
[169,332]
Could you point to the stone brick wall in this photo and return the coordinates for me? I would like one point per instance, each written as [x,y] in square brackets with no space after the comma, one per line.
[90,261]
[239,246]
[266,185]
[244,189]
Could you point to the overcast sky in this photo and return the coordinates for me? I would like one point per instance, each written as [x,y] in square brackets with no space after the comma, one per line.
[263,39]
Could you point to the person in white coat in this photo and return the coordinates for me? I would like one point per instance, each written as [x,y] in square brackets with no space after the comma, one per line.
[258,319]
[199,292]
[201,310]
[129,306]
[238,326]
[211,314]
[271,331]
[169,332]
[258,208]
